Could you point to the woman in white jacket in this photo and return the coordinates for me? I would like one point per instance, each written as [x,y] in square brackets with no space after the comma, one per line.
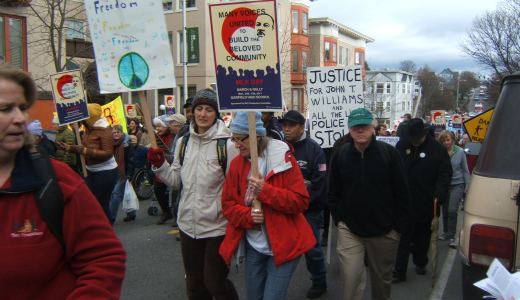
[197,171]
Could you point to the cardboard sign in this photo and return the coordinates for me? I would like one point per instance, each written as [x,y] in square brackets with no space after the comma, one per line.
[333,93]
[391,140]
[114,113]
[131,45]
[246,53]
[69,97]
[476,127]
[130,110]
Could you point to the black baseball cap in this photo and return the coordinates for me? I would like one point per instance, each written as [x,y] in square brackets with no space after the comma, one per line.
[293,116]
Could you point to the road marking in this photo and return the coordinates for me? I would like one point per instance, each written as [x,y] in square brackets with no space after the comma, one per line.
[173,231]
[442,280]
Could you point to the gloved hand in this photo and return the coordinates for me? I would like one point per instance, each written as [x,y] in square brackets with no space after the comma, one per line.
[156,157]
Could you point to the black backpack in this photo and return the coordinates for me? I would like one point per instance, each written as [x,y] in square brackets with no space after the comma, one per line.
[49,198]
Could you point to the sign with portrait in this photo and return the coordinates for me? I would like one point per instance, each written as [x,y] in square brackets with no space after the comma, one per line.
[114,113]
[246,53]
[69,97]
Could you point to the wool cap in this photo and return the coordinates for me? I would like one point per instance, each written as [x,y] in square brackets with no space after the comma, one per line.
[240,125]
[35,128]
[360,116]
[294,117]
[161,120]
[94,112]
[207,97]
[177,118]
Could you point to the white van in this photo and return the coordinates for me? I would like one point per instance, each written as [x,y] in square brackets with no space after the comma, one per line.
[491,209]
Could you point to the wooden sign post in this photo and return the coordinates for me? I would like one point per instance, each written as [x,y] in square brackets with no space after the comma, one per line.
[253,150]
[81,157]
[147,117]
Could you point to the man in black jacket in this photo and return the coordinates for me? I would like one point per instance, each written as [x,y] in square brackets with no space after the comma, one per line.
[313,165]
[428,169]
[369,201]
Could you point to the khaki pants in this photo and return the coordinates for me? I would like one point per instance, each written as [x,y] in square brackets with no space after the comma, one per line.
[380,255]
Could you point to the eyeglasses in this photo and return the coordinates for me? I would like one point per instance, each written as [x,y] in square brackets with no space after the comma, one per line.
[236,140]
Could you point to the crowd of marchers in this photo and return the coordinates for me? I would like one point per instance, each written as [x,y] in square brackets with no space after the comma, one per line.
[382,199]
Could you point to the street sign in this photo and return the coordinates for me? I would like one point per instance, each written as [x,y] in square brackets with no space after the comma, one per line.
[477,126]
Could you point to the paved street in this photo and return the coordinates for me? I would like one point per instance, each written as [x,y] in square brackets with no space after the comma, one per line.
[155,271]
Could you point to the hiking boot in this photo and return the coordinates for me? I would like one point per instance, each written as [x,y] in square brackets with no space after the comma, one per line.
[164,218]
[420,270]
[316,290]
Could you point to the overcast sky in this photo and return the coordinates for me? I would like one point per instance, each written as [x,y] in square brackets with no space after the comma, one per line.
[426,32]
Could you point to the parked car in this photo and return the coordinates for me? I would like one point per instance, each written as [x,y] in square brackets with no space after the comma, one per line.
[491,209]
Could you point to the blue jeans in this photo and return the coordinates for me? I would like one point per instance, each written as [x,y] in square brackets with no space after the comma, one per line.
[116,198]
[265,281]
[101,184]
[314,258]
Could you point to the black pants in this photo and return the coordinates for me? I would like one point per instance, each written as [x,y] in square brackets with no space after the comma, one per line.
[416,242]
[206,272]
[159,189]
[101,184]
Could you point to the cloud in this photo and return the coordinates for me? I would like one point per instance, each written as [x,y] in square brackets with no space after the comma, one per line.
[427,32]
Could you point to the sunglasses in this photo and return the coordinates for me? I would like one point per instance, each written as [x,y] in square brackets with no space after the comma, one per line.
[236,140]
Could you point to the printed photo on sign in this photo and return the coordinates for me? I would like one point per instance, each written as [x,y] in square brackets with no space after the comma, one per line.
[333,93]
[69,97]
[131,45]
[247,62]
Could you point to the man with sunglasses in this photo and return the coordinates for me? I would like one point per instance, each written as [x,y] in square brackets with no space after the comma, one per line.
[313,165]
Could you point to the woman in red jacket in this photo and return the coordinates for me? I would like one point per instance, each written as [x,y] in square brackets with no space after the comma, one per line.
[273,238]
[89,263]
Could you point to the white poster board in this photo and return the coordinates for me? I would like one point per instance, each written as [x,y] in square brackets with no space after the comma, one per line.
[131,45]
[333,92]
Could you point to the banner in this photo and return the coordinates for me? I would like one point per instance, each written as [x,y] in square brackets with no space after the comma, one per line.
[131,45]
[246,53]
[192,39]
[333,93]
[69,96]
[114,113]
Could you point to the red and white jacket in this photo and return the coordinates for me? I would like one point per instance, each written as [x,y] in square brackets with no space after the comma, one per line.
[284,199]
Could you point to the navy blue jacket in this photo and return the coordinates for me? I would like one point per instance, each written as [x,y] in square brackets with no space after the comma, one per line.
[313,164]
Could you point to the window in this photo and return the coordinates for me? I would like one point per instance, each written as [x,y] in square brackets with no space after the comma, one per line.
[180,47]
[379,88]
[334,49]
[296,99]
[168,5]
[294,56]
[357,59]
[403,107]
[388,88]
[340,55]
[189,4]
[74,29]
[326,54]
[304,61]
[192,89]
[388,106]
[347,56]
[305,23]
[13,43]
[403,86]
[295,21]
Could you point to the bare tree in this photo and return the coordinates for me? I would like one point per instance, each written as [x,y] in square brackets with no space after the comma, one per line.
[494,39]
[408,66]
[432,97]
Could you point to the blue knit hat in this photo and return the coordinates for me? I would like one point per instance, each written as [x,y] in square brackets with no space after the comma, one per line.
[240,125]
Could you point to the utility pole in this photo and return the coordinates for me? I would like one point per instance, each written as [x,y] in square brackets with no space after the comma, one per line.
[457,100]
[184,59]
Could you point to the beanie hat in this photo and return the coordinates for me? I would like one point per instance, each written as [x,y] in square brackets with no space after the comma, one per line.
[177,118]
[240,125]
[207,97]
[94,112]
[35,128]
[160,121]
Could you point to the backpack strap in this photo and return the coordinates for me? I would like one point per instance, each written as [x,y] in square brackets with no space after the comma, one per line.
[182,150]
[222,153]
[49,198]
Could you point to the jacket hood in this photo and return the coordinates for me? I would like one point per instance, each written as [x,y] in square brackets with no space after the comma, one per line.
[101,123]
[23,177]
[217,131]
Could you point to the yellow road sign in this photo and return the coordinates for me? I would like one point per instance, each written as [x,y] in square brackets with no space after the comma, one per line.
[477,126]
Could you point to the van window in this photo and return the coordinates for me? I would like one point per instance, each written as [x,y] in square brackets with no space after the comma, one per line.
[500,153]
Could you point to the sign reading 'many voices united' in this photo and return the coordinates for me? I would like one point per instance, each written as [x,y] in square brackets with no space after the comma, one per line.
[333,93]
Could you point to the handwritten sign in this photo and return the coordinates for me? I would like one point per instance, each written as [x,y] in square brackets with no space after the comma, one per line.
[477,126]
[131,45]
[333,93]
[245,48]
[69,97]
[391,140]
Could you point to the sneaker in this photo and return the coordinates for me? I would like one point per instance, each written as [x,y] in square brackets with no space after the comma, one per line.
[420,270]
[443,237]
[316,290]
[453,244]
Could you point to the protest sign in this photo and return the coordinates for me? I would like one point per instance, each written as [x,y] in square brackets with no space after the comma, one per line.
[477,127]
[456,121]
[246,53]
[333,93]
[391,140]
[131,45]
[130,111]
[114,113]
[69,96]
[438,119]
[169,104]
